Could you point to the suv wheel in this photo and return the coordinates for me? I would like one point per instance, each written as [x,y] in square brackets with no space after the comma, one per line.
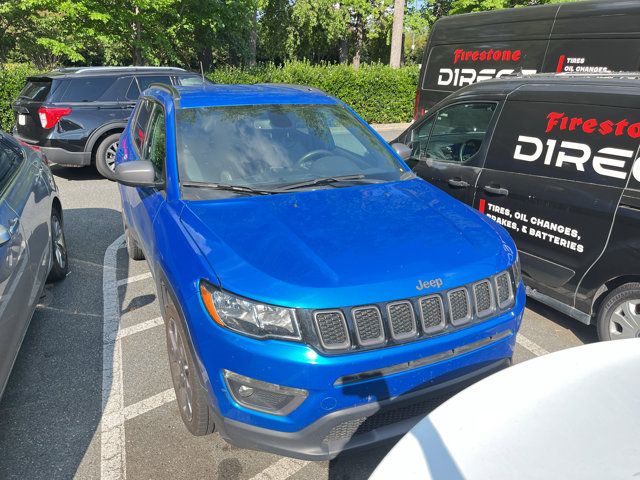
[60,262]
[190,394]
[619,315]
[106,156]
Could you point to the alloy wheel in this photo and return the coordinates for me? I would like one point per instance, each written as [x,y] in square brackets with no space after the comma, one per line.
[110,156]
[59,247]
[181,372]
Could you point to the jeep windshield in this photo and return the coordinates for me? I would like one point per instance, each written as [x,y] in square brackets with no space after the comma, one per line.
[267,149]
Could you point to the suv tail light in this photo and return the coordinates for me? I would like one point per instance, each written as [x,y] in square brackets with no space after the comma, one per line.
[49,116]
[417,110]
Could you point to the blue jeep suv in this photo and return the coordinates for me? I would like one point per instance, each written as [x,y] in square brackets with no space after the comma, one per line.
[317,296]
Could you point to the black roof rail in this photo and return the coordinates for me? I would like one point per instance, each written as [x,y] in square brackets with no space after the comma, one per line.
[173,91]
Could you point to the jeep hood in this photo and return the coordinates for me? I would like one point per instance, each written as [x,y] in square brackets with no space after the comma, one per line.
[337,247]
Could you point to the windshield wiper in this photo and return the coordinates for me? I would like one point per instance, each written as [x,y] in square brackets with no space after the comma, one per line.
[231,188]
[325,181]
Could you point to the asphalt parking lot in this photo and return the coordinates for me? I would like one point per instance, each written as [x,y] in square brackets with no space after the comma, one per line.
[91,396]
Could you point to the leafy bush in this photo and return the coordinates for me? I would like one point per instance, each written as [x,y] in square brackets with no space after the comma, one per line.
[379,93]
[12,78]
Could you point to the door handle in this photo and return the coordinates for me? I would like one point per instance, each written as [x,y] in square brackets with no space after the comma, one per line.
[496,190]
[458,183]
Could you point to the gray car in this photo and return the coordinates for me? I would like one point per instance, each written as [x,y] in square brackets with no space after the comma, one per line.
[32,244]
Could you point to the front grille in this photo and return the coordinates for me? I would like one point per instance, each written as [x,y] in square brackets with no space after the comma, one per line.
[359,426]
[459,306]
[401,319]
[432,313]
[483,298]
[332,329]
[368,322]
[371,326]
[503,285]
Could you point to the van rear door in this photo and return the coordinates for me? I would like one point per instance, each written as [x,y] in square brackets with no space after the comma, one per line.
[595,38]
[554,175]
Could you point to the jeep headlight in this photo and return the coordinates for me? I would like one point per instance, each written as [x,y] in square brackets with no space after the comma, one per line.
[249,317]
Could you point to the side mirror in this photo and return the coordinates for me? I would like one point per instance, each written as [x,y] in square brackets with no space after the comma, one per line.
[403,151]
[5,235]
[138,173]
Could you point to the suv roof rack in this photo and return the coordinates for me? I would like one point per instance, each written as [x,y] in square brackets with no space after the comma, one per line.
[115,69]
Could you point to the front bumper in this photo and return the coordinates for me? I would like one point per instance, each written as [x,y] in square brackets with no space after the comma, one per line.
[326,422]
[354,427]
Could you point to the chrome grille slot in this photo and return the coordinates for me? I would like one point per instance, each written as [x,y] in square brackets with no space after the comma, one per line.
[432,313]
[483,298]
[459,307]
[503,286]
[368,323]
[332,329]
[401,320]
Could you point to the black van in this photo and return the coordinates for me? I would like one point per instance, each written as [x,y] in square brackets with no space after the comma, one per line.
[555,159]
[583,37]
[76,115]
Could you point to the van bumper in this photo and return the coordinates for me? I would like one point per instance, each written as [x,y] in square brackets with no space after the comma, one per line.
[356,427]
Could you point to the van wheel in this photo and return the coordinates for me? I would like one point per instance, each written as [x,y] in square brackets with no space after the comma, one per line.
[133,249]
[190,395]
[619,315]
[106,156]
[60,261]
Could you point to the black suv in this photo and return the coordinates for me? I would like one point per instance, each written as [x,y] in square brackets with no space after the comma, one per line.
[75,115]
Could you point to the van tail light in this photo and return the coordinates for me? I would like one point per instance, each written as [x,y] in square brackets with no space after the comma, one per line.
[50,116]
[418,111]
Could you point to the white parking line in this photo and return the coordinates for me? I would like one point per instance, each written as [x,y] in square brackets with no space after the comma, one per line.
[148,404]
[112,441]
[282,469]
[140,327]
[530,345]
[136,278]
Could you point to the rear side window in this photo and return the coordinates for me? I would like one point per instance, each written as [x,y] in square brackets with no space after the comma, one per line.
[191,81]
[133,92]
[36,90]
[145,81]
[10,160]
[458,131]
[142,120]
[87,89]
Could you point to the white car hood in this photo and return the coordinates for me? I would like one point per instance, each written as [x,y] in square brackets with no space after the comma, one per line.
[573,414]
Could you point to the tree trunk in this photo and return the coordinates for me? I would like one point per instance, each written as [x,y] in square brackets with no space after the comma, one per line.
[253,41]
[396,34]
[136,26]
[359,32]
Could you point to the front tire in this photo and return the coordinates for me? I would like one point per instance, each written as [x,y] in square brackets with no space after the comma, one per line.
[619,314]
[60,260]
[190,395]
[106,156]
